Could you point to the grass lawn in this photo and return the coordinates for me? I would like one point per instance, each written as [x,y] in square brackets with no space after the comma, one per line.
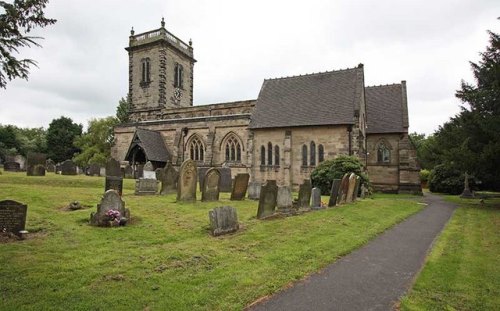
[166,259]
[463,270]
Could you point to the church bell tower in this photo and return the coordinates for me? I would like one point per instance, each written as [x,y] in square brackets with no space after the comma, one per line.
[160,73]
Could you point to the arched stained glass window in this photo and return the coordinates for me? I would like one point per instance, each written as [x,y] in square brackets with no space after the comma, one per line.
[313,154]
[276,155]
[233,149]
[269,154]
[383,153]
[196,149]
[304,155]
[262,155]
[321,153]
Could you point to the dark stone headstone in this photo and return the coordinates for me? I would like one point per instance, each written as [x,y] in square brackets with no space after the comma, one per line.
[50,166]
[128,172]
[159,174]
[114,179]
[305,193]
[68,167]
[186,184]
[169,180]
[316,198]
[113,168]
[344,185]
[284,200]
[334,192]
[467,193]
[138,173]
[226,183]
[94,170]
[201,175]
[240,187]
[11,166]
[223,220]
[111,201]
[12,217]
[210,190]
[36,164]
[356,188]
[268,199]
[146,186]
[254,190]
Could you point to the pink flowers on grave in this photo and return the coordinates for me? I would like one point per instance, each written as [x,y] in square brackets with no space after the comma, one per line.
[114,215]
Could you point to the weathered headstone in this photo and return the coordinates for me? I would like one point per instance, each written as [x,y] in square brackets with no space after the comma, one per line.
[186,184]
[159,173]
[350,189]
[148,171]
[11,166]
[356,188]
[210,190]
[268,199]
[58,168]
[467,193]
[240,187]
[94,170]
[201,175]
[226,183]
[114,179]
[316,198]
[344,185]
[138,172]
[68,167]
[284,200]
[254,190]
[19,159]
[128,172]
[12,217]
[110,211]
[223,220]
[334,192]
[305,193]
[146,186]
[50,166]
[169,180]
[36,164]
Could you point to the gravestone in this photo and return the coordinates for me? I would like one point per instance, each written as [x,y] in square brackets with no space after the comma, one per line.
[148,171]
[12,217]
[110,201]
[254,190]
[11,166]
[19,159]
[316,198]
[356,188]
[159,173]
[94,170]
[138,172]
[68,167]
[36,164]
[344,185]
[128,172]
[50,166]
[226,183]
[305,193]
[350,189]
[223,220]
[58,168]
[201,175]
[240,187]
[210,190]
[146,186]
[334,192]
[284,200]
[186,183]
[268,199]
[114,179]
[169,180]
[467,193]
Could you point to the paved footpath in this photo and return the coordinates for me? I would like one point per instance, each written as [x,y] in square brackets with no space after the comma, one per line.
[375,276]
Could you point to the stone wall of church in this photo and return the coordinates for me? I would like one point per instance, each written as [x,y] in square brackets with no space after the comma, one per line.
[144,96]
[383,176]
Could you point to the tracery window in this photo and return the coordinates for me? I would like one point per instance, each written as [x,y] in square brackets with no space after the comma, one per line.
[383,153]
[197,149]
[178,76]
[262,155]
[146,71]
[233,149]
[276,155]
[313,154]
[269,154]
[321,153]
[304,155]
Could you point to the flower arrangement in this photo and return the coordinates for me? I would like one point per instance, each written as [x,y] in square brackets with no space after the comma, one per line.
[114,215]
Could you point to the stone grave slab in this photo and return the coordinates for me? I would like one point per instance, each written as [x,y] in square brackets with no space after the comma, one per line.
[334,192]
[316,198]
[254,190]
[223,220]
[111,201]
[210,190]
[186,184]
[11,166]
[201,175]
[284,200]
[268,199]
[68,167]
[240,187]
[36,164]
[94,170]
[305,194]
[128,172]
[146,186]
[50,166]
[226,183]
[148,171]
[169,180]
[12,217]
[356,188]
[350,189]
[344,186]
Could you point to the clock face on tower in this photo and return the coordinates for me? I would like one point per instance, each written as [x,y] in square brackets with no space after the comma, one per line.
[177,93]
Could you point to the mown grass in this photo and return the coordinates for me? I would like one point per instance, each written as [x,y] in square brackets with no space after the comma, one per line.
[166,259]
[463,270]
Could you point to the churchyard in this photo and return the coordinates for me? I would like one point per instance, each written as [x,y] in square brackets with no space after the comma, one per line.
[166,258]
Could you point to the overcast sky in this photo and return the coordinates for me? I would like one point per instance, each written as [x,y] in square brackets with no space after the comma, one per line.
[83,65]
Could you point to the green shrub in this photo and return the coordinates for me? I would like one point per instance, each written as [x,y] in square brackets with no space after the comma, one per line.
[327,171]
[445,178]
[424,175]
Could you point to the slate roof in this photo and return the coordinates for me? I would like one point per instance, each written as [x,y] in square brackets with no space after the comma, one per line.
[327,98]
[152,143]
[386,108]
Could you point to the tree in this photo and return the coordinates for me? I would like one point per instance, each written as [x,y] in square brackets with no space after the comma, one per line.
[96,144]
[19,19]
[123,110]
[9,145]
[427,151]
[60,136]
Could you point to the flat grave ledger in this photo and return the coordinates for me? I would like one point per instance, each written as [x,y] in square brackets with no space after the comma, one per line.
[12,217]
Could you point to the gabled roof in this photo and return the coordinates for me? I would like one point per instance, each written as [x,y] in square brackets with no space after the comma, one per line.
[386,108]
[152,143]
[327,98]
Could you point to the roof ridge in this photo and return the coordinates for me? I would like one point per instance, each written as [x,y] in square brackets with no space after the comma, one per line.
[315,73]
[380,85]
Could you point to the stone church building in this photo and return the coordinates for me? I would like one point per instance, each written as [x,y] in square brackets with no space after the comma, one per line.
[294,124]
